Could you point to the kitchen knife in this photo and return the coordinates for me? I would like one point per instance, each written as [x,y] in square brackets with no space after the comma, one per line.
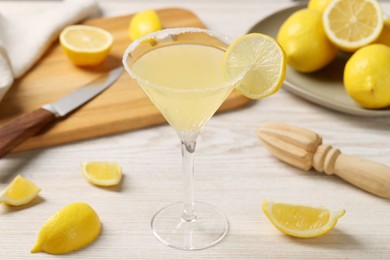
[26,125]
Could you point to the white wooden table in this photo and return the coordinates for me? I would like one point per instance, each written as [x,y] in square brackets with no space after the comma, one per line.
[233,172]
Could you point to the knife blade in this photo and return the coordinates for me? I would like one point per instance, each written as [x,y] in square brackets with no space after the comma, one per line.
[27,125]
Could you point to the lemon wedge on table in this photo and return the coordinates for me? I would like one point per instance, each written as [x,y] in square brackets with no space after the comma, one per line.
[352,25]
[71,228]
[19,192]
[86,45]
[143,23]
[262,60]
[301,221]
[102,173]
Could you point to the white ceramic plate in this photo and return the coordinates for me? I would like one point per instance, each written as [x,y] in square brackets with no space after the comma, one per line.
[324,87]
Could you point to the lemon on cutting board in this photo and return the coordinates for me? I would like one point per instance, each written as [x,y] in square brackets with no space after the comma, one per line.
[71,228]
[102,173]
[86,45]
[367,76]
[143,23]
[19,192]
[304,41]
[262,60]
[301,221]
[352,25]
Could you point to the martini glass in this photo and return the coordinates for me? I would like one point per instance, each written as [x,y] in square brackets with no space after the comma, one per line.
[180,70]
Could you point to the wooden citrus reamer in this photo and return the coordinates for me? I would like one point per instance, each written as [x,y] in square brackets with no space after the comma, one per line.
[303,149]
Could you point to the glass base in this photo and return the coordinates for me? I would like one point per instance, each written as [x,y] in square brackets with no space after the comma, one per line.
[209,227]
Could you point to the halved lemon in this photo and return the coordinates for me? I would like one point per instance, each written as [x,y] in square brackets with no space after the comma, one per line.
[262,60]
[301,221]
[86,45]
[351,25]
[19,192]
[102,173]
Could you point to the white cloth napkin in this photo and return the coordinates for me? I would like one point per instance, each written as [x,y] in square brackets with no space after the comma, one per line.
[25,37]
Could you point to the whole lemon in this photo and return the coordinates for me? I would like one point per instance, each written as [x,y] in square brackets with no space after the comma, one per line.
[304,41]
[71,228]
[367,76]
[144,23]
[384,37]
[318,5]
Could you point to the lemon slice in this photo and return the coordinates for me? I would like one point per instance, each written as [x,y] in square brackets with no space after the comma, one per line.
[301,221]
[102,173]
[144,23]
[86,45]
[19,192]
[351,25]
[71,228]
[263,60]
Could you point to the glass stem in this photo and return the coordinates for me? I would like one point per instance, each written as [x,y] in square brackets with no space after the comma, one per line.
[188,143]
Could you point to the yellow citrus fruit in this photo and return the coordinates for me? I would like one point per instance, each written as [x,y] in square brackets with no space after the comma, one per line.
[71,228]
[262,60]
[384,37]
[303,38]
[86,45]
[351,25]
[19,192]
[102,173]
[144,23]
[301,221]
[367,76]
[318,5]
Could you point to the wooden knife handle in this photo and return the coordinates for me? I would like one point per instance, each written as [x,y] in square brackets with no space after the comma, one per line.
[367,175]
[23,127]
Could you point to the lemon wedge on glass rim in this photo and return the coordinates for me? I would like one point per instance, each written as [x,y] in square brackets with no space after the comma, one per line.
[262,60]
[19,192]
[352,26]
[102,173]
[301,221]
[86,45]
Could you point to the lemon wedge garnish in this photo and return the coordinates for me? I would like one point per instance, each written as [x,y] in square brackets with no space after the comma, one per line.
[102,173]
[301,221]
[86,45]
[19,192]
[144,23]
[71,228]
[351,25]
[263,60]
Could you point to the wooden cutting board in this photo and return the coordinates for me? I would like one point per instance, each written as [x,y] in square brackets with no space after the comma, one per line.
[120,108]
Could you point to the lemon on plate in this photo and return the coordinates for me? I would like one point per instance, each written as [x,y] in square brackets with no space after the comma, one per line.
[301,221]
[318,5]
[367,76]
[144,23]
[102,173]
[86,45]
[384,37]
[302,37]
[19,192]
[352,25]
[262,60]
[71,228]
